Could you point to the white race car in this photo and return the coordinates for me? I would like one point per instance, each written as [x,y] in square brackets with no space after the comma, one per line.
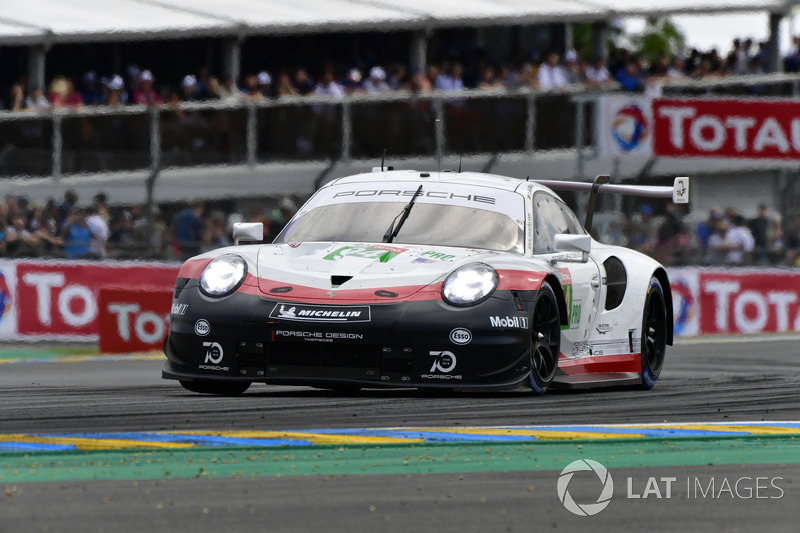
[425,280]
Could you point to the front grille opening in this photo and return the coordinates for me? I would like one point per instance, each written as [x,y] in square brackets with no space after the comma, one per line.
[616,282]
[328,356]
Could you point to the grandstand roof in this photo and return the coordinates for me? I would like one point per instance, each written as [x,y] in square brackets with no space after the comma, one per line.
[59,21]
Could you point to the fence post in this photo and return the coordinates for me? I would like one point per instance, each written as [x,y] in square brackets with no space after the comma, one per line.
[155,139]
[599,116]
[347,132]
[579,135]
[58,145]
[438,108]
[252,137]
[530,123]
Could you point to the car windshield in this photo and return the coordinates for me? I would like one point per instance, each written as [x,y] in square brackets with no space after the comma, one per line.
[427,223]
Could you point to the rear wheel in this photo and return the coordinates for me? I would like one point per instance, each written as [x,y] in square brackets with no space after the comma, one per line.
[222,388]
[654,333]
[546,340]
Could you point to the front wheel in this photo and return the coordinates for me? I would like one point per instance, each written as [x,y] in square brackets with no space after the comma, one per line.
[546,340]
[221,388]
[654,333]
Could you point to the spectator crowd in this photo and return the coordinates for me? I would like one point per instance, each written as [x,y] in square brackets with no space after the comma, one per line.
[97,231]
[549,71]
[724,238]
[69,230]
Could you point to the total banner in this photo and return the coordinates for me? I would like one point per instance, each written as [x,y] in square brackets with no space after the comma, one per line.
[747,128]
[59,300]
[627,126]
[741,128]
[717,301]
[129,303]
[133,320]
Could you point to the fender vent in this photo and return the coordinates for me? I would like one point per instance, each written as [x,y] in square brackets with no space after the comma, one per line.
[616,281]
[339,280]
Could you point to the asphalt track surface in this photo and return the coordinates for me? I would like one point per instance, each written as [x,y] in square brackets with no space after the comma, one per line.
[725,380]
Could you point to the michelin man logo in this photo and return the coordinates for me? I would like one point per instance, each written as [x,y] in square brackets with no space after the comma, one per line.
[587,509]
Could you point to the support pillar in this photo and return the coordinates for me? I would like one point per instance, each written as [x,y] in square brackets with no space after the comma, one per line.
[600,40]
[419,52]
[36,65]
[231,59]
[569,38]
[774,63]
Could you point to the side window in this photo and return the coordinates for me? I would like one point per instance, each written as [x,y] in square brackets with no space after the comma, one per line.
[550,221]
[575,226]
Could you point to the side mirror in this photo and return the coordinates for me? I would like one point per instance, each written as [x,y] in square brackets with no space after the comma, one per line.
[248,231]
[572,248]
[565,242]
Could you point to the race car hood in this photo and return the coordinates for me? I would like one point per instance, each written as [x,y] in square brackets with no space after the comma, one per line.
[348,270]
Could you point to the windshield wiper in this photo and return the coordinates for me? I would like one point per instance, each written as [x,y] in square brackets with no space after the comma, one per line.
[393,230]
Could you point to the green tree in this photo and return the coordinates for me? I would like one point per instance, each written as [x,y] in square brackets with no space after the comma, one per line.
[660,37]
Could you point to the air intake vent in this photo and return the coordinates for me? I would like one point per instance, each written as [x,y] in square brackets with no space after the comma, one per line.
[339,280]
[616,281]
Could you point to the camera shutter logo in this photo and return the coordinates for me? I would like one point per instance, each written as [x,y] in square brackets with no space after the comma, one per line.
[587,509]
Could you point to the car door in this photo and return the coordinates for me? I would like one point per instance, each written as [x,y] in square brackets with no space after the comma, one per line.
[580,281]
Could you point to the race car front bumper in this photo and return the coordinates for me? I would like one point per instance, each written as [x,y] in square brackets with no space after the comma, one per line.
[421,344]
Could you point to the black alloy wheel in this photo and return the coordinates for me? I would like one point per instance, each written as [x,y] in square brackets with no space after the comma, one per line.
[654,333]
[546,340]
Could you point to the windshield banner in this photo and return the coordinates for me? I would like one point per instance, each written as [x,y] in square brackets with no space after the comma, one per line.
[434,192]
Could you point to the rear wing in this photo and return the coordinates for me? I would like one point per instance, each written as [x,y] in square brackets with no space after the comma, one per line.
[679,192]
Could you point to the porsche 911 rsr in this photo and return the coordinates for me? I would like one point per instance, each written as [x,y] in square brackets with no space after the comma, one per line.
[425,280]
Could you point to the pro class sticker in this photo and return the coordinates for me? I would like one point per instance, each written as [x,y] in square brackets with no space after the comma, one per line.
[321,313]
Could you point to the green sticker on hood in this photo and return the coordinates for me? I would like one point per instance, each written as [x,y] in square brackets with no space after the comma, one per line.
[381,253]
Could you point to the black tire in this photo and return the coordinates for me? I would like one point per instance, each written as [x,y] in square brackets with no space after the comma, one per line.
[221,388]
[545,340]
[654,333]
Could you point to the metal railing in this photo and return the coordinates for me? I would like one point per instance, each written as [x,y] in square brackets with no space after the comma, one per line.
[66,141]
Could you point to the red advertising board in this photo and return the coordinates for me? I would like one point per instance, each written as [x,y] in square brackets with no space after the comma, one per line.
[740,128]
[749,301]
[133,320]
[59,300]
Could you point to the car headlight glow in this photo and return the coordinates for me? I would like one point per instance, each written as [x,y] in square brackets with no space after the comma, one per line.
[223,275]
[469,285]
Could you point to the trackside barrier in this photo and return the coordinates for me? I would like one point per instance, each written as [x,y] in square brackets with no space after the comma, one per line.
[714,300]
[133,320]
[125,305]
[60,300]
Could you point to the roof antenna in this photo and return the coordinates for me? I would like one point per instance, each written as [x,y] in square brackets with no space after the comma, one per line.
[383,158]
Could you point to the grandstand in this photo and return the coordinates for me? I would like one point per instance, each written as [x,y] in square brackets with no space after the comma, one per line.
[42,38]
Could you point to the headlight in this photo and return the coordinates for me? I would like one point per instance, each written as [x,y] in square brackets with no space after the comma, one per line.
[223,275]
[469,285]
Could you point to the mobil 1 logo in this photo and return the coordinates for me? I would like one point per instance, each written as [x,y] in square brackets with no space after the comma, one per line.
[517,322]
